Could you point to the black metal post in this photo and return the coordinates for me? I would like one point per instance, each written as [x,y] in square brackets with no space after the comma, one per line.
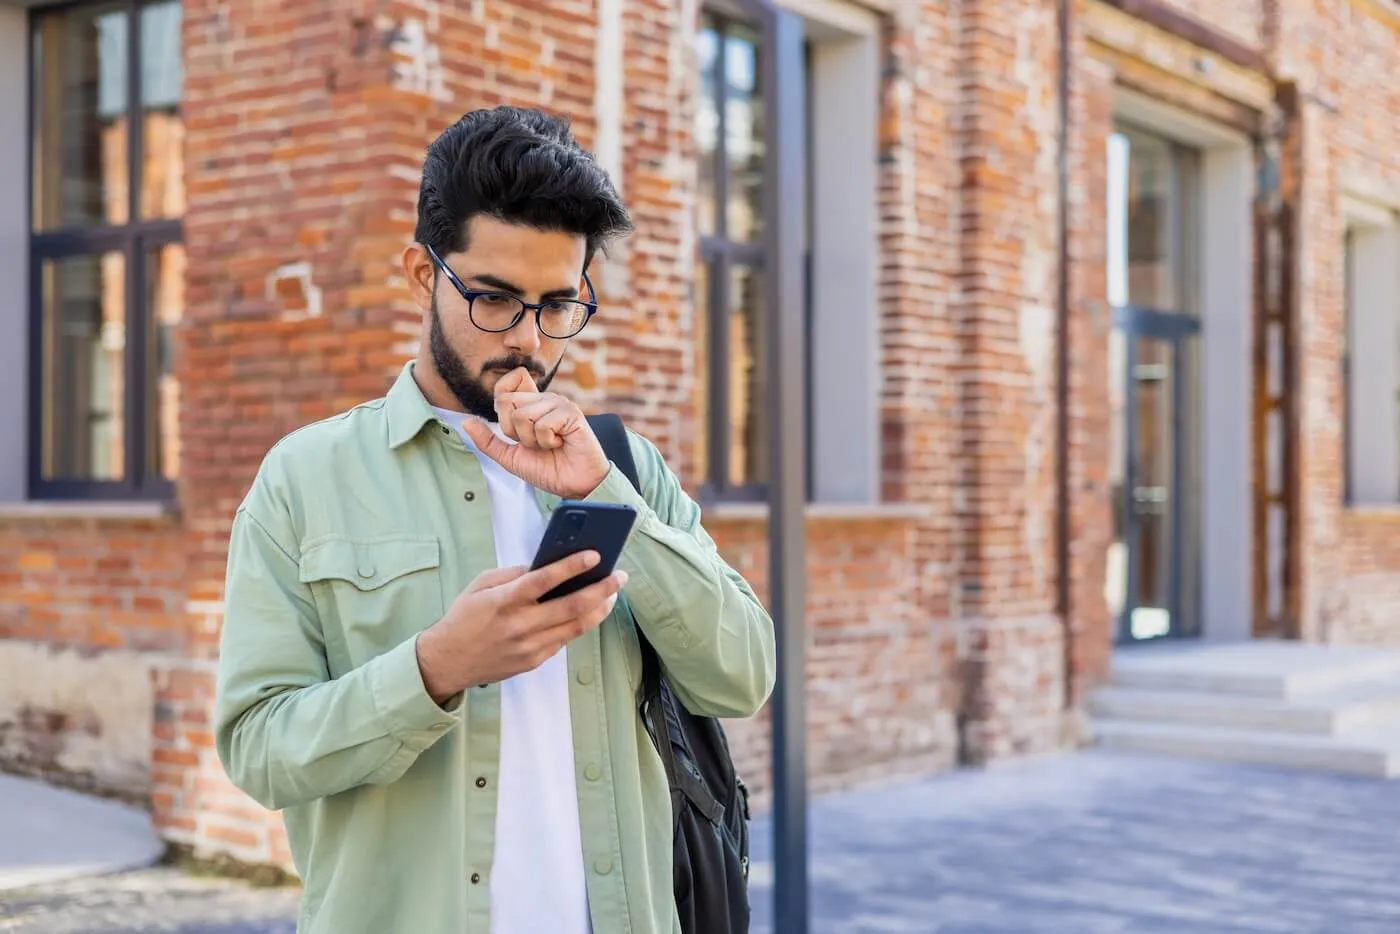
[785,206]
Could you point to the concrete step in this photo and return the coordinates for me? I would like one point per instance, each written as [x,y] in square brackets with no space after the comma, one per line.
[1373,753]
[1280,670]
[1338,711]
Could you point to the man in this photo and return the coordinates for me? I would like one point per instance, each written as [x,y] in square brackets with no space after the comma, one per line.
[451,755]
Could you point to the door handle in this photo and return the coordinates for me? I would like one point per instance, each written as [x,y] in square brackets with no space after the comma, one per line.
[1151,500]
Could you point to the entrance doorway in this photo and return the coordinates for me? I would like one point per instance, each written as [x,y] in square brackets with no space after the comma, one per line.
[1156,503]
[1153,585]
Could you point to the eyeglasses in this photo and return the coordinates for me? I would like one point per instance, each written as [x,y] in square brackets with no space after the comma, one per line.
[558,318]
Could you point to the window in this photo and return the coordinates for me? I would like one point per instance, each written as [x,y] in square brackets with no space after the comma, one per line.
[731,324]
[106,263]
[839,75]
[1370,356]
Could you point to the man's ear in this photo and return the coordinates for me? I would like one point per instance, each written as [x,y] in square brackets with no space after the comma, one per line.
[421,273]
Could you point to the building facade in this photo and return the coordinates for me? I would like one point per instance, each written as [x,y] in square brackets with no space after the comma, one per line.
[1101,332]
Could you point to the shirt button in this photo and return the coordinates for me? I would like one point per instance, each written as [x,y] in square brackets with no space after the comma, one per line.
[602,865]
[585,675]
[476,877]
[481,782]
[366,569]
[592,772]
[469,496]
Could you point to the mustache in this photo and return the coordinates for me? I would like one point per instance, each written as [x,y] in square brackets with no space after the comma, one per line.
[531,365]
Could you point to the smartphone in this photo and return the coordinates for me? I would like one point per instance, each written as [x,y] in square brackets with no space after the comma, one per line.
[577,526]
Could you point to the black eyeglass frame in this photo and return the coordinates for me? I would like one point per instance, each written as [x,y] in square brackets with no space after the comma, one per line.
[590,307]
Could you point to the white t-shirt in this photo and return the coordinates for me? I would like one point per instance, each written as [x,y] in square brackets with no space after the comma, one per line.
[537,875]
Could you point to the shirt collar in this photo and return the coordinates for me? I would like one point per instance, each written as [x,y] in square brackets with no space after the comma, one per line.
[408,411]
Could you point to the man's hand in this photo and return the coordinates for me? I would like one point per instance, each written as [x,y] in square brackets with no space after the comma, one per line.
[496,628]
[556,450]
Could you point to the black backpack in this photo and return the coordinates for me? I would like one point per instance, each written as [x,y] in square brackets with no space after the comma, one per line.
[709,802]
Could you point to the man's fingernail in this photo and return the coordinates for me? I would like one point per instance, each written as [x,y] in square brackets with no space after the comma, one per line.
[621,578]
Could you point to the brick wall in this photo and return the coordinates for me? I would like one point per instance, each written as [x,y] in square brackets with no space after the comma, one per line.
[1350,136]
[1245,21]
[85,600]
[880,678]
[1005,376]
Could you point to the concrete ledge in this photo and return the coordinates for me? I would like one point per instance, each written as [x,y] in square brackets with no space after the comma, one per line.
[116,511]
[819,512]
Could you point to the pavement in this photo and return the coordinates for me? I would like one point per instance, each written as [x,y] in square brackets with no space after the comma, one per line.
[49,834]
[1090,843]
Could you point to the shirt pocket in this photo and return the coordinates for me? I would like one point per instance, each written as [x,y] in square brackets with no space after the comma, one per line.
[372,592]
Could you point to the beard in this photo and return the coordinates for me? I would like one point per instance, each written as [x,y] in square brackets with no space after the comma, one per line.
[475,398]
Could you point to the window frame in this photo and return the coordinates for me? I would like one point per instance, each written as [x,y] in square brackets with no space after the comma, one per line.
[719,255]
[1370,240]
[135,240]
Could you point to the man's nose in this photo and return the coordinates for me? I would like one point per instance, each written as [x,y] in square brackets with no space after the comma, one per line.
[525,336]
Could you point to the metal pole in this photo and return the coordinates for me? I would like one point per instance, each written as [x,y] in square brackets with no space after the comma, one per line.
[787,496]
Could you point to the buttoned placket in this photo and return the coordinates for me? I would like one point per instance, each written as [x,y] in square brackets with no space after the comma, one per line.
[470,507]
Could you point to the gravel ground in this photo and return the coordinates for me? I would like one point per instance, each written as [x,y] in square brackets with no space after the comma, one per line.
[162,899]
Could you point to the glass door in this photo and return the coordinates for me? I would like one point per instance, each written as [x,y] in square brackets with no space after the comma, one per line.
[1155,509]
[1152,582]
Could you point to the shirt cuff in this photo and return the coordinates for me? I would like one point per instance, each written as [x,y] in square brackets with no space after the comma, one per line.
[646,599]
[403,702]
[616,488]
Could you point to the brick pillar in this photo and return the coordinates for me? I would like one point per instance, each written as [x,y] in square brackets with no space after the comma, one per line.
[1091,321]
[1013,659]
[306,125]
[920,201]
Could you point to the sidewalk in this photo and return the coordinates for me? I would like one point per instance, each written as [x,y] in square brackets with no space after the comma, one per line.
[1103,843]
[1092,843]
[49,835]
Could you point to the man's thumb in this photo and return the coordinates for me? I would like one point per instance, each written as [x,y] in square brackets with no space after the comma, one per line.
[486,440]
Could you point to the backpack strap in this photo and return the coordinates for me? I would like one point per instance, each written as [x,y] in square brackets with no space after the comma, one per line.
[612,435]
[656,696]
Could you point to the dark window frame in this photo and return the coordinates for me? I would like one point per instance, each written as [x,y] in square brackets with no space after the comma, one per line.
[719,255]
[135,240]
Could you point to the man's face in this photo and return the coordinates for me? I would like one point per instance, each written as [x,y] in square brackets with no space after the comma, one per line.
[530,264]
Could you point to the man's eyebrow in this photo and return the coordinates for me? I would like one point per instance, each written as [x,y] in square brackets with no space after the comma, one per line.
[499,284]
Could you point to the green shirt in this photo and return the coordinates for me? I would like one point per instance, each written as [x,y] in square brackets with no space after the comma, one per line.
[357,534]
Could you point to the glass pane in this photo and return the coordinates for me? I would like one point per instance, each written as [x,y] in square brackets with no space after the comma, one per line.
[1116,577]
[748,454]
[707,125]
[703,369]
[162,130]
[1159,214]
[80,118]
[743,117]
[1116,211]
[1151,257]
[165,306]
[84,367]
[1154,464]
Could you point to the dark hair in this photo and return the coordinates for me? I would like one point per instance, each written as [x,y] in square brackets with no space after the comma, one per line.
[522,166]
